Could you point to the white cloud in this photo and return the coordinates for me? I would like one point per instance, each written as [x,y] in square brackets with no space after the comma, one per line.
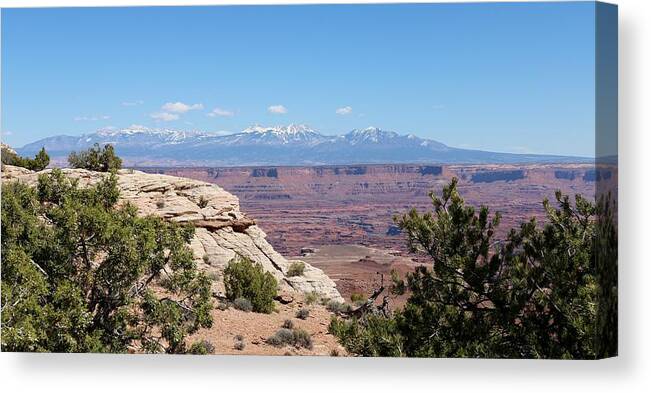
[133,103]
[164,116]
[179,107]
[221,112]
[277,109]
[346,110]
[92,118]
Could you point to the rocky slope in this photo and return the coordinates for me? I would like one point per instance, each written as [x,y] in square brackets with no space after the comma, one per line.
[222,230]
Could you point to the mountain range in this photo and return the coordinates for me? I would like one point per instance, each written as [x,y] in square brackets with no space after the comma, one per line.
[280,145]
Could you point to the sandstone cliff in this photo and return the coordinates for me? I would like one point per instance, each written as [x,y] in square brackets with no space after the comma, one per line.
[222,230]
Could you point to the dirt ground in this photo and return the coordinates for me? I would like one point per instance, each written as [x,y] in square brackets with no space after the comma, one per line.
[255,328]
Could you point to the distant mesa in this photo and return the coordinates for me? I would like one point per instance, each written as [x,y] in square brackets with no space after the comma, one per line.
[293,145]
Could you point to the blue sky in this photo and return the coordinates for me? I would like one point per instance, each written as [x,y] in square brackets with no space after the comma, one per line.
[495,76]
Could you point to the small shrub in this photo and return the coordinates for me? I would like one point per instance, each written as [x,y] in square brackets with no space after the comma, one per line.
[281,338]
[239,345]
[297,337]
[160,203]
[302,338]
[213,276]
[288,324]
[296,269]
[303,313]
[98,159]
[202,347]
[311,297]
[244,279]
[203,202]
[336,307]
[223,306]
[334,352]
[243,304]
[239,337]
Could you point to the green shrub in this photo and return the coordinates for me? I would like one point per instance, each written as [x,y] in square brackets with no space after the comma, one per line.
[296,269]
[202,347]
[371,336]
[105,292]
[311,297]
[303,313]
[243,304]
[98,159]
[244,279]
[38,163]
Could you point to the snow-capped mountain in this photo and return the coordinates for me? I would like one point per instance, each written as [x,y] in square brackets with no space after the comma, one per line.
[279,145]
[299,134]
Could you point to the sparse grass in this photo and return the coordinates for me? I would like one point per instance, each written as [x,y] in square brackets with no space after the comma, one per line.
[214,276]
[337,307]
[303,313]
[357,297]
[288,324]
[243,304]
[296,269]
[311,297]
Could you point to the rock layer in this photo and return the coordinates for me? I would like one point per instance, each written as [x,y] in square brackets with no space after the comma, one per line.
[222,230]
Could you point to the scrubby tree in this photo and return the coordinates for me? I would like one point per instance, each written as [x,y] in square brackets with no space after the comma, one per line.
[536,293]
[97,158]
[81,274]
[38,163]
[244,279]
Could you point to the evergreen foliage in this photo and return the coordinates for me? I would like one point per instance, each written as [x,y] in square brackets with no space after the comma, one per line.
[38,163]
[541,292]
[98,159]
[245,279]
[80,274]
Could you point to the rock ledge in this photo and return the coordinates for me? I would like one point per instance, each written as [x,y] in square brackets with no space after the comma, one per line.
[222,230]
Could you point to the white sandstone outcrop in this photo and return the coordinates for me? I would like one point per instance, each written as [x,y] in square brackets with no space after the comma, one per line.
[222,230]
